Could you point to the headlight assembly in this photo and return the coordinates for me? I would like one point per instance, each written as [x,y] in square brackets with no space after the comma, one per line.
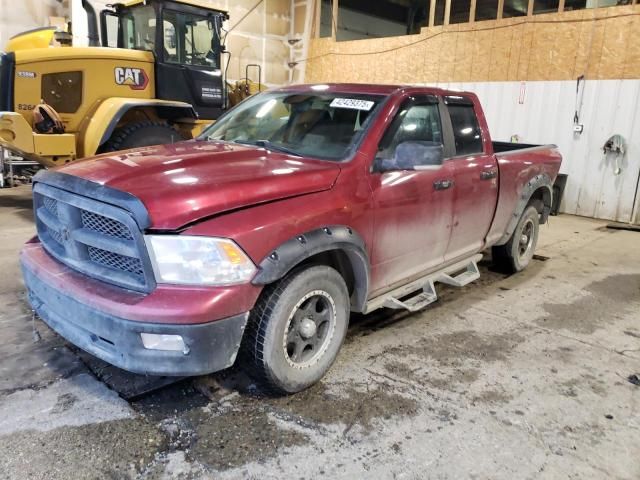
[189,260]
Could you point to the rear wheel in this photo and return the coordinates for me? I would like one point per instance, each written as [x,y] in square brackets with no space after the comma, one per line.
[516,254]
[296,330]
[142,134]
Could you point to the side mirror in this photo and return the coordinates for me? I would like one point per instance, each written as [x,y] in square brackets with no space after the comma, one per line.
[413,155]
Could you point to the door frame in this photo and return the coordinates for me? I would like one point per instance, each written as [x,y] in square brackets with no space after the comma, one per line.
[635,211]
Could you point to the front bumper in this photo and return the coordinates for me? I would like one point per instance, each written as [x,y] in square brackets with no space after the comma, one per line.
[212,346]
[16,135]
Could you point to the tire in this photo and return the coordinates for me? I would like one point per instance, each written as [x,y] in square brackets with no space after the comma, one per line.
[515,255]
[312,306]
[142,134]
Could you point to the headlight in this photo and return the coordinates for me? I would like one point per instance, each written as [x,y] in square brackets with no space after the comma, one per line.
[187,260]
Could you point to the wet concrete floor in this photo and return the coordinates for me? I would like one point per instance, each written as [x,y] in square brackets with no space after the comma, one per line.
[524,376]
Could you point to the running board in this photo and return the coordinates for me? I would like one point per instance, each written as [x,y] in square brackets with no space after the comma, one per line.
[424,288]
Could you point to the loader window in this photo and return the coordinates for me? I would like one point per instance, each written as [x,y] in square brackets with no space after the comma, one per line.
[191,39]
[112,23]
[139,28]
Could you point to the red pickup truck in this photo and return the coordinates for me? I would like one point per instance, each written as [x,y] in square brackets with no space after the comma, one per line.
[258,239]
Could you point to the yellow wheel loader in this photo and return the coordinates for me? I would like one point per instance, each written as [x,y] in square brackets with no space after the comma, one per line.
[155,77]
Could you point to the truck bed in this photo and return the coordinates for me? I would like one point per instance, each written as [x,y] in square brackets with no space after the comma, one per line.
[518,164]
[506,147]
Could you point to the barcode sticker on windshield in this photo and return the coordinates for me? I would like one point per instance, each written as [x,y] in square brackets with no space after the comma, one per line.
[352,103]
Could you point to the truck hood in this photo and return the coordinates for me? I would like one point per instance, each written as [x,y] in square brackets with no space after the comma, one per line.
[185,182]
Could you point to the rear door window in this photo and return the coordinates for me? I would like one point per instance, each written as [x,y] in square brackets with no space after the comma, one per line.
[466,129]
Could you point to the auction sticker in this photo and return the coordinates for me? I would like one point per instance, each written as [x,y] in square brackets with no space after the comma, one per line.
[352,103]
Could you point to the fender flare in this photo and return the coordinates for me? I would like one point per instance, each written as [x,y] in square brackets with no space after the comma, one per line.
[539,181]
[301,247]
[103,121]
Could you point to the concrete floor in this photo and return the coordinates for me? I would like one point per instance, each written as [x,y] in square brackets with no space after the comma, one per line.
[509,378]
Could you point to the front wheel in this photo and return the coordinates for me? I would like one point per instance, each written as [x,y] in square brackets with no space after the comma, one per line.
[296,330]
[516,254]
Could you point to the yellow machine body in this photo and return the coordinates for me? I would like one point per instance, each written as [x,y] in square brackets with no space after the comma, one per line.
[38,38]
[95,90]
[109,87]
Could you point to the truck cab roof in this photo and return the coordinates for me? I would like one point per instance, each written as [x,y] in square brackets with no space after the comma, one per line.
[371,89]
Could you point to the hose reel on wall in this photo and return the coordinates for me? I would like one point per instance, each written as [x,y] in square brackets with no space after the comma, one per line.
[615,147]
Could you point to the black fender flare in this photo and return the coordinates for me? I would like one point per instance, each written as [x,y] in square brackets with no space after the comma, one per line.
[539,181]
[166,110]
[326,239]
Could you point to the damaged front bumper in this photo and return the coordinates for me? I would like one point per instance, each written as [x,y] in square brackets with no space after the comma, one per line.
[208,347]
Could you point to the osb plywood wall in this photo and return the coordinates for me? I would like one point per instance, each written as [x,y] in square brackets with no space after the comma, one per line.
[598,43]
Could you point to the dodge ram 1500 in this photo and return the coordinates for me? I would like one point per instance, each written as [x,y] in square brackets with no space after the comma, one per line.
[255,241]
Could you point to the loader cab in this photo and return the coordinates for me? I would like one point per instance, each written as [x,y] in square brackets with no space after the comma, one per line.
[186,40]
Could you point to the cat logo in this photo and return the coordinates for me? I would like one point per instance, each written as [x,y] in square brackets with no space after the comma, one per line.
[135,78]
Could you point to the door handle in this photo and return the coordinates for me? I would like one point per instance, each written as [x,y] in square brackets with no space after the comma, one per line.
[488,174]
[442,184]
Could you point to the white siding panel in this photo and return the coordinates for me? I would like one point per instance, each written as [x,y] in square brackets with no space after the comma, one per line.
[609,107]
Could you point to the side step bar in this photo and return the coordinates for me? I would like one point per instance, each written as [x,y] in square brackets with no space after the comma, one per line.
[424,288]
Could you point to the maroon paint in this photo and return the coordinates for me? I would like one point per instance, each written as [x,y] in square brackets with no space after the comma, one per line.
[406,224]
[186,181]
[516,169]
[412,224]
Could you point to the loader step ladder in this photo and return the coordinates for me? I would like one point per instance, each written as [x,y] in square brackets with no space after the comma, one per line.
[422,292]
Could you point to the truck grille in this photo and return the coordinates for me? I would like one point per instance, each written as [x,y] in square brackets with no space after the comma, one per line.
[116,261]
[95,238]
[105,225]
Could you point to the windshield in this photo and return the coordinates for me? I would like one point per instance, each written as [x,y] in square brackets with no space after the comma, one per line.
[306,124]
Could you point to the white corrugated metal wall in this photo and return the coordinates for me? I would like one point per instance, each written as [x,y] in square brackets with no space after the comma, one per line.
[546,116]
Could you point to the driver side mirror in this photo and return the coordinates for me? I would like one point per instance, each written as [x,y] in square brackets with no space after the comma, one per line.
[413,155]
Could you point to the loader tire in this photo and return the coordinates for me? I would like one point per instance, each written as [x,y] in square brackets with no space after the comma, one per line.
[142,134]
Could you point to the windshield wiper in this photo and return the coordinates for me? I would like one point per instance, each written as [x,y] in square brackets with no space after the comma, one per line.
[269,146]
